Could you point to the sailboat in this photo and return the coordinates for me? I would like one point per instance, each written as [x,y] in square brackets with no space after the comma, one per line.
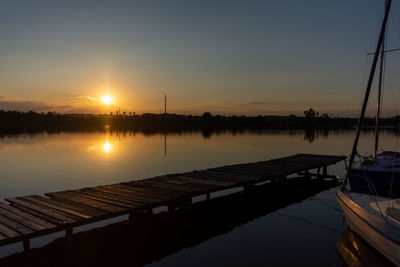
[379,172]
[365,194]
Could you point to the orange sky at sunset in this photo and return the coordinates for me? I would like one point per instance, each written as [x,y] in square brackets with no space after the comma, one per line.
[263,57]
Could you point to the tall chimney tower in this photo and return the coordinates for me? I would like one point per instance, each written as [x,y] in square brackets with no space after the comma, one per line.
[165,104]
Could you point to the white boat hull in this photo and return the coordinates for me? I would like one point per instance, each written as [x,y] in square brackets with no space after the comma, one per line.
[370,228]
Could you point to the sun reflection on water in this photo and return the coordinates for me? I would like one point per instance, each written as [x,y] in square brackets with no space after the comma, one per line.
[107,147]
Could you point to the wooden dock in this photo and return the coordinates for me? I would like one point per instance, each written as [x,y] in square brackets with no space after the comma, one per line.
[33,216]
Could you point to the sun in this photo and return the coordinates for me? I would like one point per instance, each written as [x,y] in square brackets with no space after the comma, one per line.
[107,99]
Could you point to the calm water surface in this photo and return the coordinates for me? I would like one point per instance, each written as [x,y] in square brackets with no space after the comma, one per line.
[40,163]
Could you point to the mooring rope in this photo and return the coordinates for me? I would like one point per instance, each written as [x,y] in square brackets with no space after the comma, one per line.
[311,197]
[310,222]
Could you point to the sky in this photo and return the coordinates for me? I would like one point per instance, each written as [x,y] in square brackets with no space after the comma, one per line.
[224,57]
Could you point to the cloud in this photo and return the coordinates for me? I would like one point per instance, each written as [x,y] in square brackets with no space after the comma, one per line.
[87,97]
[25,106]
[205,104]
[255,103]
[84,104]
[40,106]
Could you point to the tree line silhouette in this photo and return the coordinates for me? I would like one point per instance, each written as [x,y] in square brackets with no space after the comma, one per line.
[11,121]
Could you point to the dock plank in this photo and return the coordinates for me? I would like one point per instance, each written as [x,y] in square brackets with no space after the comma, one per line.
[20,228]
[197,186]
[203,181]
[233,176]
[153,191]
[27,216]
[7,231]
[67,195]
[159,185]
[62,219]
[73,206]
[153,196]
[36,214]
[50,209]
[2,237]
[47,204]
[243,170]
[28,223]
[124,195]
[216,176]
[182,189]
[105,199]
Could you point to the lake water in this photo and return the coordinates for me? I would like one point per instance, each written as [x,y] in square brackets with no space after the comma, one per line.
[300,234]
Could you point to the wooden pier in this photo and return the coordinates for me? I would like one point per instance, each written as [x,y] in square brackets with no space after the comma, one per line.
[33,216]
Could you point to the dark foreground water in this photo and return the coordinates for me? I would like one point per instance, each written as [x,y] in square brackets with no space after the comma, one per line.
[304,233]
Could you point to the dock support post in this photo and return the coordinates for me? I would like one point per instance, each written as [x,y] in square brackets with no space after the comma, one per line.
[68,236]
[171,208]
[305,174]
[139,215]
[208,196]
[182,204]
[282,177]
[26,244]
[324,171]
[248,188]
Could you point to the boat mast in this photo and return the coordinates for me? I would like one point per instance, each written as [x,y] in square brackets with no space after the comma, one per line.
[378,105]
[369,84]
